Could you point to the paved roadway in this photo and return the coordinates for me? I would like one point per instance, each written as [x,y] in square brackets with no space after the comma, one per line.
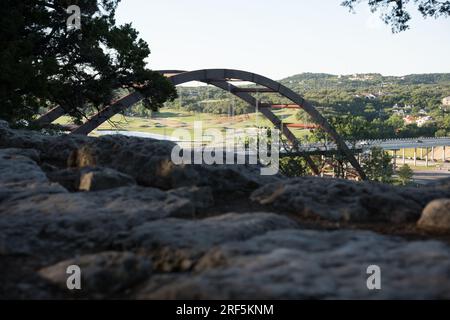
[427,176]
[387,144]
[396,144]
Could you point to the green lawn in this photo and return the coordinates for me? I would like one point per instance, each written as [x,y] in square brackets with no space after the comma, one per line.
[424,168]
[168,120]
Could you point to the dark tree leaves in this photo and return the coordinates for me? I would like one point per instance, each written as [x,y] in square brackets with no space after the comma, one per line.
[43,63]
[394,13]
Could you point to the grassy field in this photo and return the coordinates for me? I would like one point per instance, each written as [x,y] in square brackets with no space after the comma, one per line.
[409,153]
[424,168]
[168,120]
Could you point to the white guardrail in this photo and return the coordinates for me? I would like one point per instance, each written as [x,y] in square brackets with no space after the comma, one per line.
[386,144]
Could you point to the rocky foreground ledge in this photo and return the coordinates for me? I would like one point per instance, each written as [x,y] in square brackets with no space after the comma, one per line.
[141,227]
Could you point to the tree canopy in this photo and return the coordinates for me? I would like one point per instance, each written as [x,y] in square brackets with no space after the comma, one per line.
[395,13]
[405,174]
[45,62]
[377,166]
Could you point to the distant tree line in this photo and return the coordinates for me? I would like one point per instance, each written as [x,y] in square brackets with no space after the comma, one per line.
[373,104]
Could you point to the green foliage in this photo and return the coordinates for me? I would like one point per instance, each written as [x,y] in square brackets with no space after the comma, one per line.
[405,174]
[443,126]
[208,100]
[351,128]
[366,100]
[44,64]
[395,13]
[354,128]
[293,166]
[303,117]
[377,166]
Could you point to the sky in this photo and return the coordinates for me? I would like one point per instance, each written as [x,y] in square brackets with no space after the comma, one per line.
[280,38]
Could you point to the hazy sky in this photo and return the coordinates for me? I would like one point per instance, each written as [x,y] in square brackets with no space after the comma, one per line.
[279,38]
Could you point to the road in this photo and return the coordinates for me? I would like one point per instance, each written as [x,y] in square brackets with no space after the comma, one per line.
[428,176]
[388,144]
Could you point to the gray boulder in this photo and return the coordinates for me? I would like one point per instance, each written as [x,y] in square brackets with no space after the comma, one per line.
[226,180]
[102,274]
[201,197]
[198,235]
[15,167]
[55,148]
[68,178]
[436,216]
[309,264]
[37,215]
[103,179]
[148,161]
[4,124]
[88,178]
[20,176]
[337,199]
[33,154]
[79,221]
[177,244]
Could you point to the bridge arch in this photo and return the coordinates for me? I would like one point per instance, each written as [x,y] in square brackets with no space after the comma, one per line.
[220,78]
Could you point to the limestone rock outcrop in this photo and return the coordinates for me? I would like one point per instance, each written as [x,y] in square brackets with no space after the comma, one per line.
[436,216]
[141,227]
[337,199]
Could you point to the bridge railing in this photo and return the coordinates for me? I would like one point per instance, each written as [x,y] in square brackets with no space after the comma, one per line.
[396,140]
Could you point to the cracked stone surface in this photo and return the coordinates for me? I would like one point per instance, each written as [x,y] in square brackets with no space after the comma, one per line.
[307,264]
[175,234]
[103,274]
[337,199]
[149,162]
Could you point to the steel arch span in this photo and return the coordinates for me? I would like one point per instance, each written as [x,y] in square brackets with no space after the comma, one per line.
[220,78]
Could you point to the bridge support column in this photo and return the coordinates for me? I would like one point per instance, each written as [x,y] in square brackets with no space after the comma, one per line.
[323,166]
[395,159]
[50,116]
[426,157]
[415,157]
[443,154]
[333,172]
[421,153]
[432,154]
[106,113]
[403,156]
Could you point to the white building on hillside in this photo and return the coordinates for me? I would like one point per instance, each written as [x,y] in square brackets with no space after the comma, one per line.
[423,120]
[446,101]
